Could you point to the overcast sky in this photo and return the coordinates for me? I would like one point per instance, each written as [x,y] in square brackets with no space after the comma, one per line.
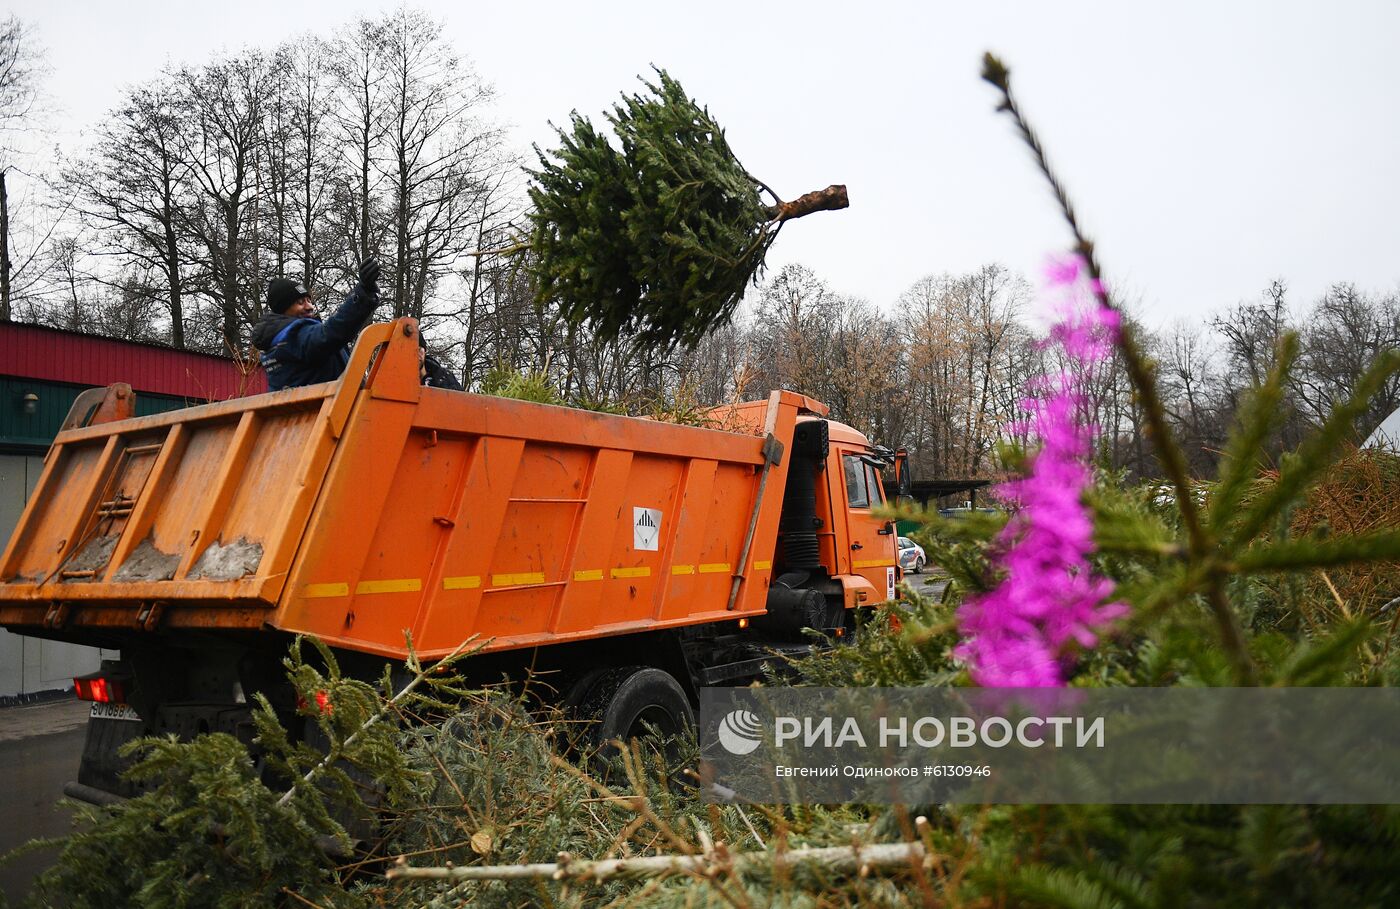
[1210,147]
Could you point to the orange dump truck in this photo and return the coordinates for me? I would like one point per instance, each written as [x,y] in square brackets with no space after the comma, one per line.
[635,560]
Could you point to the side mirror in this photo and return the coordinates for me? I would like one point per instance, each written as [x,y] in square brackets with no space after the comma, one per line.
[903,479]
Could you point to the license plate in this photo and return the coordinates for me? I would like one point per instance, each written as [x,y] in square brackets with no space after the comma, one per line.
[113,712]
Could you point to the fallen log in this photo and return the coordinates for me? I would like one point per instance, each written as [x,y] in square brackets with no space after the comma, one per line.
[842,859]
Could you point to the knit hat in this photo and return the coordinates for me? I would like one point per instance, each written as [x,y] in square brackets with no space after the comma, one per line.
[283,292]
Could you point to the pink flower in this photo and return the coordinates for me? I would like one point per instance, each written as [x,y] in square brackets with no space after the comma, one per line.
[1049,601]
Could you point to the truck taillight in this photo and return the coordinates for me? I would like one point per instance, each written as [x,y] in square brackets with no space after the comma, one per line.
[100,688]
[323,702]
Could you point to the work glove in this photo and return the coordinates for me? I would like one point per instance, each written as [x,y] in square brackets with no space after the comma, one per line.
[369,272]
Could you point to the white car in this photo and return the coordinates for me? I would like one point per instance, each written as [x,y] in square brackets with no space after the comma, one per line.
[911,556]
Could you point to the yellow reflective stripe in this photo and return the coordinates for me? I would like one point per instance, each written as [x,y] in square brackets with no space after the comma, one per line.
[462,582]
[715,568]
[762,566]
[874,563]
[517,580]
[682,569]
[392,585]
[313,591]
[631,572]
[590,574]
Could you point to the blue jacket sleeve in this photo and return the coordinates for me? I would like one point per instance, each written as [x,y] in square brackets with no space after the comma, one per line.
[321,339]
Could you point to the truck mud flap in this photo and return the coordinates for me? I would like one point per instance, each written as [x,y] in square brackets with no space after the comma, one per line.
[91,794]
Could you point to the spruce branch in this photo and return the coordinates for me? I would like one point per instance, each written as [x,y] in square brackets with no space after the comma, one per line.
[1292,555]
[1317,665]
[1140,370]
[422,672]
[1317,450]
[1142,375]
[1261,414]
[1124,546]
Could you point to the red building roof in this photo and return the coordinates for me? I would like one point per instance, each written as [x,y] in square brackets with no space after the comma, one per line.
[50,354]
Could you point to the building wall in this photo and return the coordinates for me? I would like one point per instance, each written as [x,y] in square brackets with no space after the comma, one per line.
[36,352]
[20,430]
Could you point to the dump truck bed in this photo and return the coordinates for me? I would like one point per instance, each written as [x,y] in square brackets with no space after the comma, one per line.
[360,511]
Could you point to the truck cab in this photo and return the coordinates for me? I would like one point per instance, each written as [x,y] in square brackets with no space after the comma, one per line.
[863,548]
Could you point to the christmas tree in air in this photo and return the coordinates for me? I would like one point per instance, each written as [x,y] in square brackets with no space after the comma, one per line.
[658,239]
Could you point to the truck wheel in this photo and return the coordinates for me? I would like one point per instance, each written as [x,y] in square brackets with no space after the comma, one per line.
[362,827]
[621,703]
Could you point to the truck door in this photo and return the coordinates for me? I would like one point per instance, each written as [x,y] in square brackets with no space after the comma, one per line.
[869,552]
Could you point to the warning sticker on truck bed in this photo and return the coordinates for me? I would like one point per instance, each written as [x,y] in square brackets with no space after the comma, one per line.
[646,528]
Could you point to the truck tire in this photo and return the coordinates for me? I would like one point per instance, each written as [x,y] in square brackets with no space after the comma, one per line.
[362,828]
[620,703]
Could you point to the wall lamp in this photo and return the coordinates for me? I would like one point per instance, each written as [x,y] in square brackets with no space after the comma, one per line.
[29,403]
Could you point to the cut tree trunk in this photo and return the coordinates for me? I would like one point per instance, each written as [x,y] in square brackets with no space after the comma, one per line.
[833,198]
[839,859]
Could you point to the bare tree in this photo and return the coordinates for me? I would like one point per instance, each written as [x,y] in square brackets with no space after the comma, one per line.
[928,315]
[996,299]
[308,98]
[865,382]
[358,121]
[1251,332]
[224,104]
[21,68]
[273,178]
[718,366]
[967,357]
[1342,336]
[438,158]
[1192,390]
[499,201]
[792,331]
[135,190]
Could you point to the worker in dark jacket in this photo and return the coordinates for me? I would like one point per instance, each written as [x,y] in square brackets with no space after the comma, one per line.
[431,372]
[297,347]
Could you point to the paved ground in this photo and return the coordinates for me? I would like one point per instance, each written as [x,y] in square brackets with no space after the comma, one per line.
[929,585]
[40,746]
